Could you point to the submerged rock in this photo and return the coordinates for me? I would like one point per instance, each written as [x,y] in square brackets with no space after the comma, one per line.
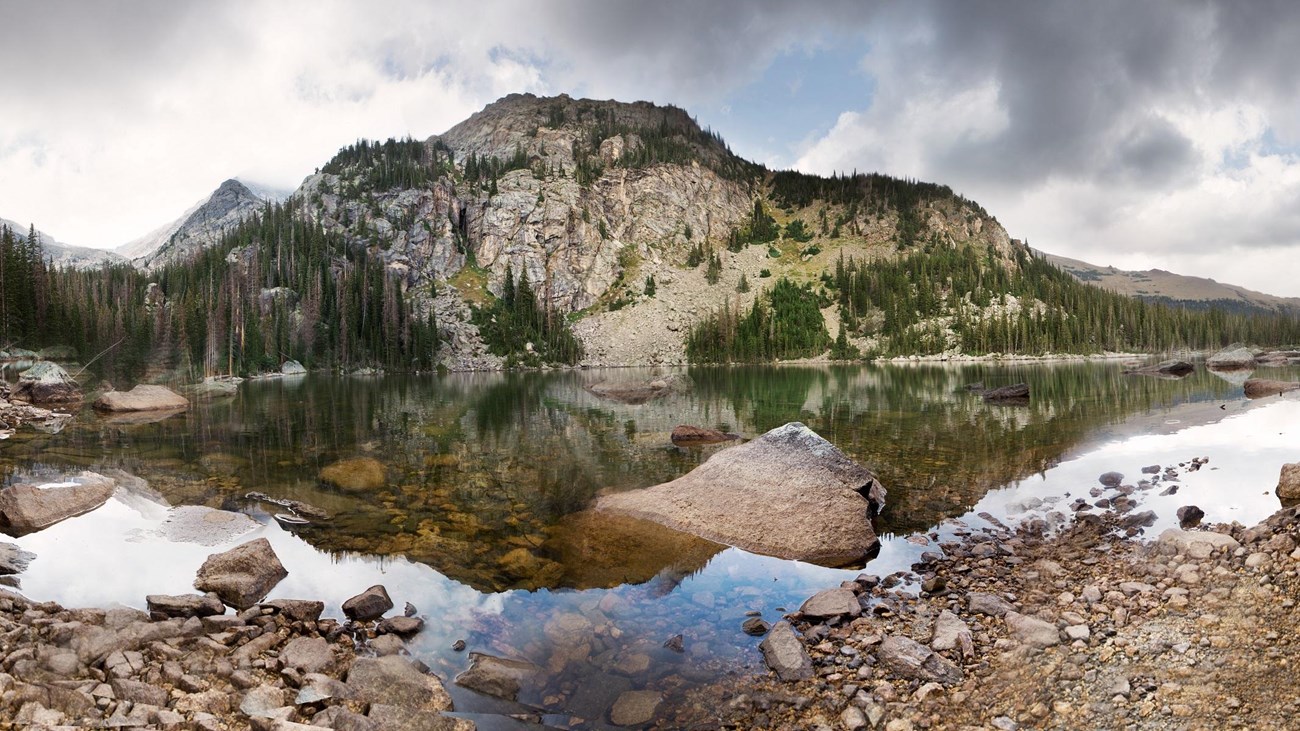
[497,676]
[1017,392]
[361,474]
[1166,369]
[788,493]
[396,681]
[142,398]
[1261,387]
[643,391]
[47,383]
[635,707]
[242,576]
[28,508]
[685,435]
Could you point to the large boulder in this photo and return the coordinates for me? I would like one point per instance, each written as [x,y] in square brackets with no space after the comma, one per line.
[142,398]
[14,560]
[1261,387]
[369,604]
[1231,358]
[1288,483]
[292,368]
[28,508]
[47,383]
[788,493]
[395,681]
[908,658]
[362,474]
[242,576]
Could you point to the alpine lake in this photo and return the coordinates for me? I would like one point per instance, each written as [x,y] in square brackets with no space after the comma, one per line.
[481,522]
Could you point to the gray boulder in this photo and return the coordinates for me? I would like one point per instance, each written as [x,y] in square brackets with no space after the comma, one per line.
[242,576]
[1233,357]
[1032,631]
[395,681]
[142,398]
[369,604]
[830,603]
[292,368]
[28,508]
[1288,483]
[784,653]
[908,658]
[989,604]
[788,493]
[47,383]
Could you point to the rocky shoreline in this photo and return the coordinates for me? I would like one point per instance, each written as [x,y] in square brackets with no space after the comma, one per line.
[1019,628]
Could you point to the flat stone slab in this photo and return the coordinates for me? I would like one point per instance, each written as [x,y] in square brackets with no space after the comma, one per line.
[829,603]
[142,398]
[789,494]
[1185,539]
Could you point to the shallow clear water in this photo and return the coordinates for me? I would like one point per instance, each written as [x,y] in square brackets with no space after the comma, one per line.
[480,526]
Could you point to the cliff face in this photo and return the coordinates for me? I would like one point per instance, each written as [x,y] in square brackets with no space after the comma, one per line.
[589,199]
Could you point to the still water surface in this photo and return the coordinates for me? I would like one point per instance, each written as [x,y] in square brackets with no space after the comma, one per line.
[481,523]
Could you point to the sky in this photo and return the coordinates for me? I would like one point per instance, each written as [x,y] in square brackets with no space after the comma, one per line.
[1161,134]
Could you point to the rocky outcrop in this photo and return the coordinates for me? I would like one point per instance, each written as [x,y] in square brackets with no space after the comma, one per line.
[1231,358]
[242,576]
[639,392]
[47,383]
[362,474]
[684,436]
[26,508]
[788,493]
[14,560]
[1261,387]
[142,398]
[1288,483]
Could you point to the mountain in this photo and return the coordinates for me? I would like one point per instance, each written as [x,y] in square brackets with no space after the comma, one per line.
[60,254]
[590,200]
[200,227]
[1157,285]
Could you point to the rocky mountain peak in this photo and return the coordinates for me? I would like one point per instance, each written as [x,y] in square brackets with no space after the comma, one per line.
[197,228]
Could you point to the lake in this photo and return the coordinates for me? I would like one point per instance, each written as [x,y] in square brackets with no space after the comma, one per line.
[481,526]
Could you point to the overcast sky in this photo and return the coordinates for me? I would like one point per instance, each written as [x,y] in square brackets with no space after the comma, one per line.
[1140,135]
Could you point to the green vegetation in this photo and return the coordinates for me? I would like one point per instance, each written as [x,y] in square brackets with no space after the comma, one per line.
[26,291]
[786,322]
[914,302]
[510,324]
[760,229]
[277,287]
[382,166]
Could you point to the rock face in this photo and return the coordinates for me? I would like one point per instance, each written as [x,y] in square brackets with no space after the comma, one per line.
[28,508]
[242,576]
[788,493]
[1261,387]
[684,435]
[785,653]
[1288,483]
[362,474]
[142,398]
[1234,357]
[47,383]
